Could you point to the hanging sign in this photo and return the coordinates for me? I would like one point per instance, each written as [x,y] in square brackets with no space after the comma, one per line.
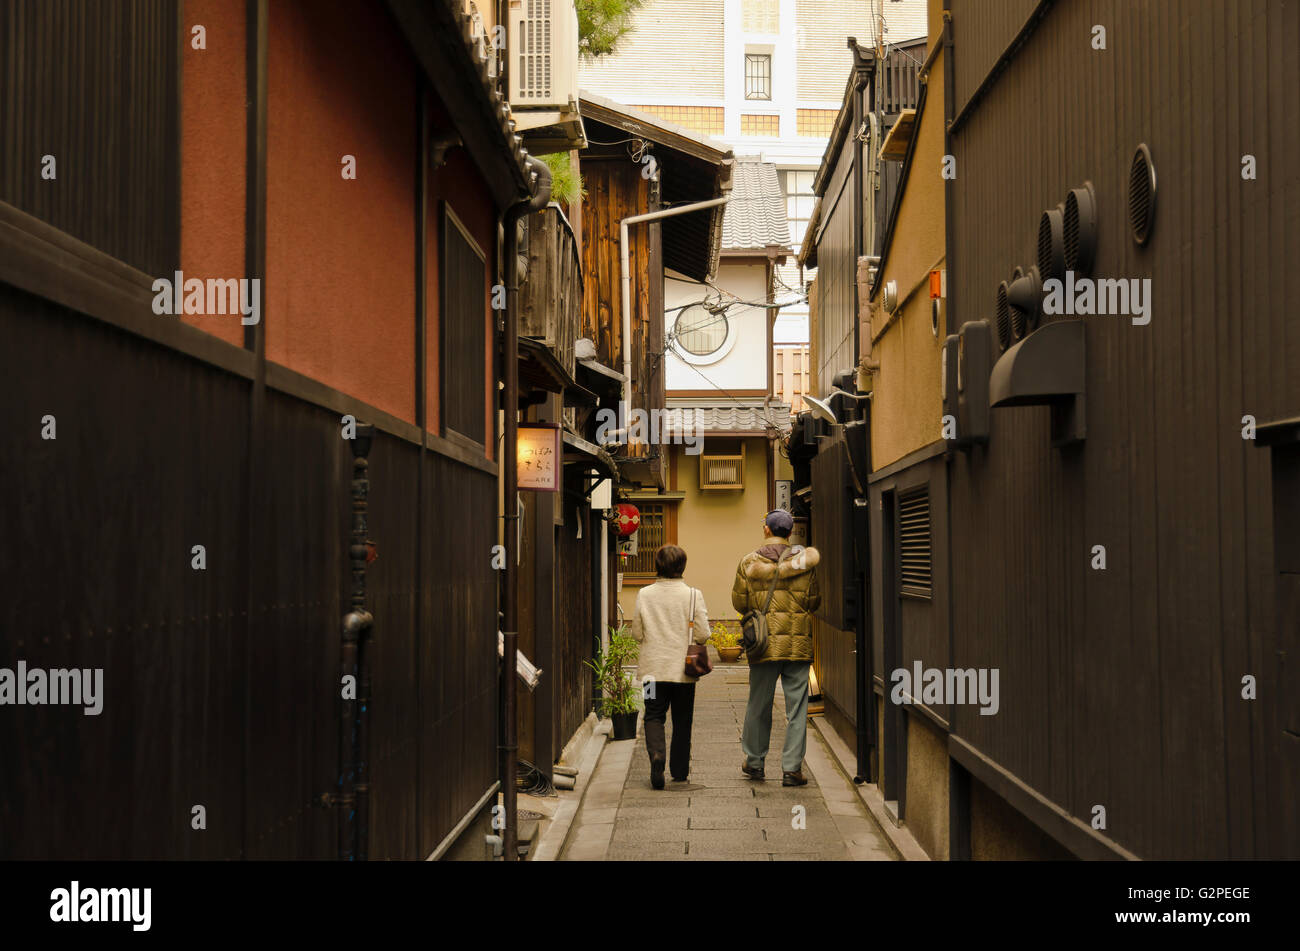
[538,453]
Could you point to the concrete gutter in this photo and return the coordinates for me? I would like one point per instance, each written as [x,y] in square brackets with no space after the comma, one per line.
[554,831]
[899,837]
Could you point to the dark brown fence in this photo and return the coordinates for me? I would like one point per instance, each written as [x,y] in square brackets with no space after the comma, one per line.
[94,86]
[575,616]
[1123,687]
[221,685]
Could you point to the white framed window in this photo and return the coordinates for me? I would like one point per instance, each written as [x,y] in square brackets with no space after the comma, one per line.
[758,76]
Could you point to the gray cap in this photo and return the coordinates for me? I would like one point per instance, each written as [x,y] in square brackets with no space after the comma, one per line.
[780,522]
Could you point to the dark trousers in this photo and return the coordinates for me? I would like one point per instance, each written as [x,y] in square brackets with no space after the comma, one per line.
[681,699]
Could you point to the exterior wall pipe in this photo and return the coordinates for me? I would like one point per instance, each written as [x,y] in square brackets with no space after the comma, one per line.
[510,476]
[353,800]
[626,269]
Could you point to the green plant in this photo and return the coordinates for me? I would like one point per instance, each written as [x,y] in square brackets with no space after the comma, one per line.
[723,636]
[602,23]
[618,692]
[566,185]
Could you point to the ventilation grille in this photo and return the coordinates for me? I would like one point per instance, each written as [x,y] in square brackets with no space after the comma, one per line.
[535,75]
[1141,194]
[914,543]
[1079,224]
[1051,245]
[1003,317]
[1016,314]
[722,472]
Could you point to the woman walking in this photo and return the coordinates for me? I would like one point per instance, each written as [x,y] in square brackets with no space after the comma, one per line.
[661,622]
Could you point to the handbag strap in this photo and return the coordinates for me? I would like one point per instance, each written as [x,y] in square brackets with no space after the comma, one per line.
[690,622]
[776,576]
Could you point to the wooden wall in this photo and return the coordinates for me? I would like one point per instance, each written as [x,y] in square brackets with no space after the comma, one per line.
[616,190]
[221,685]
[96,87]
[1122,687]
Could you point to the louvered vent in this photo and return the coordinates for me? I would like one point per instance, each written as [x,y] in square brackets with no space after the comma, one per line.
[1079,224]
[1051,245]
[914,542]
[722,472]
[1141,194]
[1003,317]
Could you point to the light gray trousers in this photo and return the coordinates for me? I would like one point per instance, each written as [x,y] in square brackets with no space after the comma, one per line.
[757,733]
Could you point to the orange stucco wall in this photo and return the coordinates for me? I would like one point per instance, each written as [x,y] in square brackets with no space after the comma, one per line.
[339,301]
[212,153]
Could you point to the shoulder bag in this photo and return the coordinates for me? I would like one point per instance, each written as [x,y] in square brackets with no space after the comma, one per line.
[753,627]
[697,655]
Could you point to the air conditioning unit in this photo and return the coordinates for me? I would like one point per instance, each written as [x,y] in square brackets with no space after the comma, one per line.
[543,50]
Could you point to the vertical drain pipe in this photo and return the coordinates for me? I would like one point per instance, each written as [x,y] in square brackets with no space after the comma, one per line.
[353,800]
[510,493]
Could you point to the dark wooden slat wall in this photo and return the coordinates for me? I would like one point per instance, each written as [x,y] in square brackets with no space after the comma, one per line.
[836,268]
[458,648]
[102,529]
[149,461]
[831,524]
[574,623]
[981,32]
[95,86]
[1122,688]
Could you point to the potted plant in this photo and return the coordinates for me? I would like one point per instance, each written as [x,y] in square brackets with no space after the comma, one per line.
[726,641]
[618,692]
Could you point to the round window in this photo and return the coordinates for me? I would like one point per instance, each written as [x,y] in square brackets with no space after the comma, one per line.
[701,332]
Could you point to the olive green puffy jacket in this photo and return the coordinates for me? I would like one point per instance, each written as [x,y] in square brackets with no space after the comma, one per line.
[789,620]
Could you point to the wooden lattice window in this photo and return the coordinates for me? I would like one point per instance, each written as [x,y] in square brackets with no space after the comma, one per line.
[652,533]
[723,472]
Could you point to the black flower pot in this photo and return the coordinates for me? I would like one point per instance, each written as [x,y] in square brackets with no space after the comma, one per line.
[624,725]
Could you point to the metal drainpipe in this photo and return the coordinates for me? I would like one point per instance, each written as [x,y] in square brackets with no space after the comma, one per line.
[626,269]
[510,476]
[353,800]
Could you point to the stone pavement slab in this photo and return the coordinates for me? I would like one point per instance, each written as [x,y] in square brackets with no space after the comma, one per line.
[720,815]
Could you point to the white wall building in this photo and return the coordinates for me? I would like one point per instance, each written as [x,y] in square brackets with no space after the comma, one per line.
[764,76]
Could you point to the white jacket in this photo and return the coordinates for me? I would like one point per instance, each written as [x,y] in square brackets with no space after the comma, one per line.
[659,622]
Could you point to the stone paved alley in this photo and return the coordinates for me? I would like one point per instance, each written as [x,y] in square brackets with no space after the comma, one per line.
[719,814]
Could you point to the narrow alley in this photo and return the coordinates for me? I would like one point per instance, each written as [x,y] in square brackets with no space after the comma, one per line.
[719,814]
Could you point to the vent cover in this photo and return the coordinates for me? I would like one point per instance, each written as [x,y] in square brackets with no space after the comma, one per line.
[722,472]
[1025,298]
[1014,313]
[914,543]
[1079,227]
[1051,244]
[1004,317]
[1141,194]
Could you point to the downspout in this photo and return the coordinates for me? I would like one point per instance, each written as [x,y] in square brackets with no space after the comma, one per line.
[510,494]
[626,269]
[353,798]
[859,219]
[864,707]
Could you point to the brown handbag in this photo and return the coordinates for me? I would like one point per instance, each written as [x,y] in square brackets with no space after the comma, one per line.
[697,655]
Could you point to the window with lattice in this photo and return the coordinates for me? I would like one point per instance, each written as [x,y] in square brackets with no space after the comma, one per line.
[723,471]
[652,533]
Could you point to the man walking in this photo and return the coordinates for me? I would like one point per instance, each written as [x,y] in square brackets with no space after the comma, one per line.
[789,650]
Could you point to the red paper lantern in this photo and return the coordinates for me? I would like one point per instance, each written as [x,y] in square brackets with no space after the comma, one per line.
[627,519]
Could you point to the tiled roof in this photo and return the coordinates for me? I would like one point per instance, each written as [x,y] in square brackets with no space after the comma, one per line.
[732,416]
[755,216]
